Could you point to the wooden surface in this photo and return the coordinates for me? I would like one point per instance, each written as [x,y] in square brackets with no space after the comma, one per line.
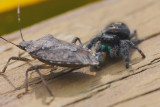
[113,85]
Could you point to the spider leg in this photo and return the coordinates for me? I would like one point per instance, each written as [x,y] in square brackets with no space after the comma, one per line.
[92,42]
[126,59]
[14,58]
[77,39]
[138,41]
[135,47]
[124,52]
[133,34]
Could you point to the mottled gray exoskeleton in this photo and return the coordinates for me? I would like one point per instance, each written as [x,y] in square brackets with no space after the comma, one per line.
[53,52]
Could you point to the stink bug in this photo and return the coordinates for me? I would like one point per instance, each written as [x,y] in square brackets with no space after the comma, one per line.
[53,52]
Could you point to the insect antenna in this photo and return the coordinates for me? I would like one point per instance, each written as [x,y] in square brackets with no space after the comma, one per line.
[19,21]
[10,42]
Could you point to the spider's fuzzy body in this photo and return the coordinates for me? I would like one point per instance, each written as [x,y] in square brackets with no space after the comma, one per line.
[115,41]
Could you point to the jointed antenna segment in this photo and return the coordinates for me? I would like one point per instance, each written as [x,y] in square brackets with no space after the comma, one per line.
[10,42]
[19,20]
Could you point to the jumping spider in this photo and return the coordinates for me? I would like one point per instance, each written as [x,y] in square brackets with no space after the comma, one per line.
[115,41]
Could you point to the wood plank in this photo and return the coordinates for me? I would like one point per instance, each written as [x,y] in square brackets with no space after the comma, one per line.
[142,81]
[113,85]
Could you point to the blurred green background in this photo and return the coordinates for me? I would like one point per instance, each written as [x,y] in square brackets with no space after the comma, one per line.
[35,13]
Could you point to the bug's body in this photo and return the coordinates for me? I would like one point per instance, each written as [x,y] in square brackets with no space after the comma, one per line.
[53,52]
[56,52]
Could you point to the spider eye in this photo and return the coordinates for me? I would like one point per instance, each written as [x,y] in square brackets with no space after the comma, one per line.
[103,47]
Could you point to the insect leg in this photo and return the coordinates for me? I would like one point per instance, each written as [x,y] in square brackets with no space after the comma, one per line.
[135,47]
[37,67]
[53,69]
[133,34]
[20,53]
[77,39]
[14,58]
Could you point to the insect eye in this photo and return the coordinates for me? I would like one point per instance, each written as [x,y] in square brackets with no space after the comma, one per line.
[103,47]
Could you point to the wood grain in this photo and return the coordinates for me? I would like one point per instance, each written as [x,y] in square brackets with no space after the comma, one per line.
[113,85]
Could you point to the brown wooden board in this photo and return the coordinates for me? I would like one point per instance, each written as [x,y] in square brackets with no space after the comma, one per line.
[113,85]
